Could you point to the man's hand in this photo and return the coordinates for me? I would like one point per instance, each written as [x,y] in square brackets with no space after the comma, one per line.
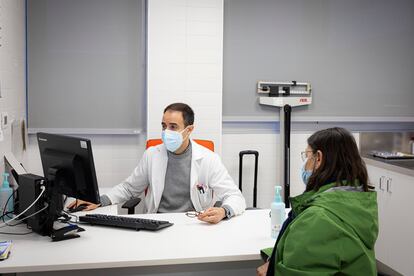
[262,270]
[89,206]
[212,215]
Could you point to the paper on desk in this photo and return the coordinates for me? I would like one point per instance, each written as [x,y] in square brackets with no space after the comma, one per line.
[5,247]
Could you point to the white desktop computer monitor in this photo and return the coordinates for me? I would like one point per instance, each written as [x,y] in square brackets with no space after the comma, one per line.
[14,168]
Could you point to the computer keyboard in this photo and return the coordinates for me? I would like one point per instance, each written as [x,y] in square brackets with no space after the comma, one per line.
[125,222]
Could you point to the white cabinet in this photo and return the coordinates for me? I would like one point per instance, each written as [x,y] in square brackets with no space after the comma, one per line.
[395,193]
[376,178]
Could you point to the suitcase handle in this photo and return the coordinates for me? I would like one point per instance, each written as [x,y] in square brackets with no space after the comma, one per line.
[256,155]
[244,152]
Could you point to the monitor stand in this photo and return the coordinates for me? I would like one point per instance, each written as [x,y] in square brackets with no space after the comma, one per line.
[50,225]
[57,230]
[65,232]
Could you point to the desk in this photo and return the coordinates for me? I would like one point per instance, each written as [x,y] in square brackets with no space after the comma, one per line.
[232,246]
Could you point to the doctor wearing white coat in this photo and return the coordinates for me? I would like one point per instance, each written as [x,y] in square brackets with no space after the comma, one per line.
[179,175]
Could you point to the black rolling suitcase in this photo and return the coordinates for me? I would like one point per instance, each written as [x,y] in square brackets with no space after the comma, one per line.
[241,155]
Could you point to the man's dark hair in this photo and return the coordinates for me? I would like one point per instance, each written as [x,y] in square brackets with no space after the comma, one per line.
[186,111]
[341,162]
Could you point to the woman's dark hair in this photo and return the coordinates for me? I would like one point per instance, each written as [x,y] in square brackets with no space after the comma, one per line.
[340,160]
[186,111]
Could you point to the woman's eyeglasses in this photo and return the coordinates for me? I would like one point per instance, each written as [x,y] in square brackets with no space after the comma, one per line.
[304,154]
[193,214]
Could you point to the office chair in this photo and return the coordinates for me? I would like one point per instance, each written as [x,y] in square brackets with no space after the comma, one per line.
[132,203]
[205,143]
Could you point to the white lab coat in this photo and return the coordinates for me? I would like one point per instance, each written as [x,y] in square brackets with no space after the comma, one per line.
[207,171]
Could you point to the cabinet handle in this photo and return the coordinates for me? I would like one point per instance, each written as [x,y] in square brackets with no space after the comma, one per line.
[381,183]
[389,180]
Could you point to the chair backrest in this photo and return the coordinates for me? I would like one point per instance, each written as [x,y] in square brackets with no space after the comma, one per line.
[205,143]
[130,204]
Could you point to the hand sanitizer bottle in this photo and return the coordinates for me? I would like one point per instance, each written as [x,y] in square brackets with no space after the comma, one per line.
[277,213]
[5,193]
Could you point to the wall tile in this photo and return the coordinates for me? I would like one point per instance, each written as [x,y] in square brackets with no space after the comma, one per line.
[12,74]
[183,64]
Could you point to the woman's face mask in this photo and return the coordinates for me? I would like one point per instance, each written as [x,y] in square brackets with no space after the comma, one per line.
[172,139]
[305,174]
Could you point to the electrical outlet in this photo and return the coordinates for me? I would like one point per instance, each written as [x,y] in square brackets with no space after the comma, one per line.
[4,120]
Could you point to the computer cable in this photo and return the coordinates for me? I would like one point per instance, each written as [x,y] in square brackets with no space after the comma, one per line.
[5,206]
[43,188]
[17,234]
[71,215]
[5,215]
[14,233]
[20,221]
[9,214]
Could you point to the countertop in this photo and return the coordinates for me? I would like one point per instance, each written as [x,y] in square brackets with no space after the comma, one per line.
[403,166]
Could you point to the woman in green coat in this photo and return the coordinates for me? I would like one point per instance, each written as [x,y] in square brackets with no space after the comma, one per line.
[333,225]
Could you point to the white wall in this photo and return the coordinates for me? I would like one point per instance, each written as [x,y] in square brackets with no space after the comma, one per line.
[185,57]
[267,144]
[116,156]
[12,74]
[184,64]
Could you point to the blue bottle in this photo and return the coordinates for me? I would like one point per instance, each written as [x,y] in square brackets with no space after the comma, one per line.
[5,193]
[277,213]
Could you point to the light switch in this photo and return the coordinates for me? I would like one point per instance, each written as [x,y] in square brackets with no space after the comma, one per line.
[4,120]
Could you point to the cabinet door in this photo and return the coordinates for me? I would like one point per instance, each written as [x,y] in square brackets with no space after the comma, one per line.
[377,179]
[400,191]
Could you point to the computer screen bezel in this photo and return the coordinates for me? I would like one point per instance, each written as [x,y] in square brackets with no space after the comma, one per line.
[77,146]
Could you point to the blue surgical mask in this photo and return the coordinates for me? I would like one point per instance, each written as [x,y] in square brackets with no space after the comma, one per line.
[305,174]
[172,139]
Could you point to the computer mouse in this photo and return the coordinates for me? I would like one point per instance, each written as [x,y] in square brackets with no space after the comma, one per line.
[80,207]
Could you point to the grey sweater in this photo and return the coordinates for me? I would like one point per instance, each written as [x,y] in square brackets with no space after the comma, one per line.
[176,194]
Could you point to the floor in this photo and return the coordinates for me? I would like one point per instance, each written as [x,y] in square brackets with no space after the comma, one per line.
[384,270]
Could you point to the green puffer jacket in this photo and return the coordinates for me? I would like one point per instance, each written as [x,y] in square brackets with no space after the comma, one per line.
[334,233]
